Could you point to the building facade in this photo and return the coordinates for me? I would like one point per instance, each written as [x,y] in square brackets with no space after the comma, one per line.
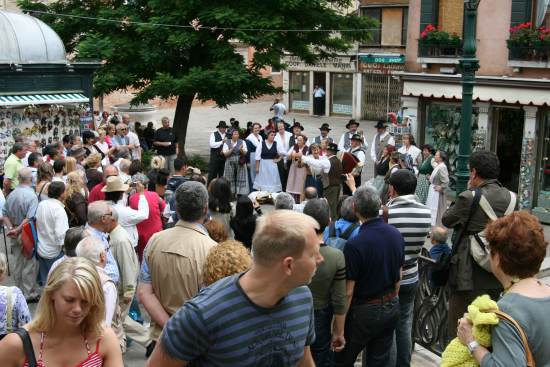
[512,92]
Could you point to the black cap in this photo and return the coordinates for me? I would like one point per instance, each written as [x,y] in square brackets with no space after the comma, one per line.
[222,124]
[356,137]
[332,146]
[351,122]
[325,127]
[381,124]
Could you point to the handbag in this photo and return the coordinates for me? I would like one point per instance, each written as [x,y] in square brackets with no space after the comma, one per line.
[27,346]
[524,341]
[29,237]
[478,243]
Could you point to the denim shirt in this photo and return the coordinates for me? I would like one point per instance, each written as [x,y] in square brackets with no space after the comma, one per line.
[111,267]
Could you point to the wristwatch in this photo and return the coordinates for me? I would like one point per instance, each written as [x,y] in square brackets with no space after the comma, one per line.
[472,346]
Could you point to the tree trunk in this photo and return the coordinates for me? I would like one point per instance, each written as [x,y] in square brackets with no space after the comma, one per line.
[181,120]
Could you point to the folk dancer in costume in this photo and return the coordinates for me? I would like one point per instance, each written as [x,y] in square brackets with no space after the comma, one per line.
[253,141]
[382,168]
[266,158]
[297,172]
[409,147]
[426,168]
[325,129]
[314,172]
[358,152]
[234,151]
[282,138]
[380,140]
[332,179]
[439,180]
[297,130]
[217,159]
[345,140]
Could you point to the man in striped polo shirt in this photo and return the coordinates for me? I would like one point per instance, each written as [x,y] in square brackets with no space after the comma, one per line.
[263,317]
[412,219]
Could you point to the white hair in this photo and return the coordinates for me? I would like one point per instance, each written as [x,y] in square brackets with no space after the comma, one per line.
[90,248]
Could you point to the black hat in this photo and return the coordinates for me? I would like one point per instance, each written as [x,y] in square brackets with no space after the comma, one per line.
[325,127]
[332,146]
[297,124]
[356,137]
[222,124]
[235,123]
[352,121]
[381,124]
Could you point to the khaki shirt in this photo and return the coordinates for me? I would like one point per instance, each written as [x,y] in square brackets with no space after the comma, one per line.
[175,258]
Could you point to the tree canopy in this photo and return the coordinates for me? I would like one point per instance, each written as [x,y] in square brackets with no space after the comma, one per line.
[185,48]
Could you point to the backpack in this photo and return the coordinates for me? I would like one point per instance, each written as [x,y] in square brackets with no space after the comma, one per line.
[478,242]
[339,242]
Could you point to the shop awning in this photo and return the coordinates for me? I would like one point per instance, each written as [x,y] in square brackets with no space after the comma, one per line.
[23,100]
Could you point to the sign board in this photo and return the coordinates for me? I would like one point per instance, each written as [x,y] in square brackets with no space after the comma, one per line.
[340,63]
[384,59]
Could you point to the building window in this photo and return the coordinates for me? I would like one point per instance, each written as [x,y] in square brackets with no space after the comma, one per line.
[342,93]
[299,90]
[392,27]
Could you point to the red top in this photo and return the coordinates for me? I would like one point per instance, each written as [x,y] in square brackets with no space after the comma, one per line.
[151,225]
[94,359]
[96,194]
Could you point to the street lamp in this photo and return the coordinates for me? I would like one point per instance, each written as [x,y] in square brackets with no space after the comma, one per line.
[469,64]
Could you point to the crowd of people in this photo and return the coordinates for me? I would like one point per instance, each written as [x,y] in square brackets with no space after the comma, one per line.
[330,272]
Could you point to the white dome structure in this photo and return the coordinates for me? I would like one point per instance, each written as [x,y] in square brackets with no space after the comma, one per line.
[25,39]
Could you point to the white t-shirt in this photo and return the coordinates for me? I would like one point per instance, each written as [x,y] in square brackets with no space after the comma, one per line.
[279,109]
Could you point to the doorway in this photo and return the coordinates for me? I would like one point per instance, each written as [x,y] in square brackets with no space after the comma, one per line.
[319,97]
[508,137]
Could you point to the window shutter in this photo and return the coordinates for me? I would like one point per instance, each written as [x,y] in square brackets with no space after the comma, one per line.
[429,13]
[521,11]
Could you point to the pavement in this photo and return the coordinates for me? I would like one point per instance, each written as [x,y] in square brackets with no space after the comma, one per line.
[203,121]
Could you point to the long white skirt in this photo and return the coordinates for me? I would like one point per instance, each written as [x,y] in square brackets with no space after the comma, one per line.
[268,178]
[432,202]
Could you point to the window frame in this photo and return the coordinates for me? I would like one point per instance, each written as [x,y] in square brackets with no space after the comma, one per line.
[404,24]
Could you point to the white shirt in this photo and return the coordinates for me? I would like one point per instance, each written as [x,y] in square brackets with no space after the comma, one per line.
[216,144]
[111,298]
[128,217]
[25,160]
[256,140]
[413,151]
[134,140]
[225,148]
[321,164]
[283,142]
[319,93]
[359,154]
[391,141]
[51,224]
[342,142]
[279,109]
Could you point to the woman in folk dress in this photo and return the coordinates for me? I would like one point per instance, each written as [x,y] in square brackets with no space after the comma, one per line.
[266,158]
[298,172]
[439,180]
[234,171]
[409,147]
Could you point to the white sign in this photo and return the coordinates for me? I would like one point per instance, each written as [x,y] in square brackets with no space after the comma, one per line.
[342,108]
[340,63]
[300,105]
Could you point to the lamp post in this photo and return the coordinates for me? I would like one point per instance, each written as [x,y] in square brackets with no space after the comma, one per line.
[469,64]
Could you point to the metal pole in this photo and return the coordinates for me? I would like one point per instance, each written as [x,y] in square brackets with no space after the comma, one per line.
[469,64]
[388,97]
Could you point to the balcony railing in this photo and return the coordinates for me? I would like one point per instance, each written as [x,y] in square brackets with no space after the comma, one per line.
[439,50]
[529,53]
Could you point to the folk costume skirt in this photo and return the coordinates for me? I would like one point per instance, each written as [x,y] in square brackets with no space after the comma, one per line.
[236,175]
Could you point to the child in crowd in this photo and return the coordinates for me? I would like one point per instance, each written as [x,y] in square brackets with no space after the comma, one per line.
[439,246]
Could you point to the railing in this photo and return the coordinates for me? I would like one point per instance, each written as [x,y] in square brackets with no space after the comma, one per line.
[527,53]
[439,50]
[431,307]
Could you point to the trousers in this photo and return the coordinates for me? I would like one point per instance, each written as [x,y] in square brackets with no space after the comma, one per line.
[25,271]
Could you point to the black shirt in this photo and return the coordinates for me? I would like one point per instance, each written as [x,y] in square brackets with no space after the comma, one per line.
[166,135]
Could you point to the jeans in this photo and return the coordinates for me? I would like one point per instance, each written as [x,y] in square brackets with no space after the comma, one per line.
[320,349]
[44,266]
[401,350]
[369,327]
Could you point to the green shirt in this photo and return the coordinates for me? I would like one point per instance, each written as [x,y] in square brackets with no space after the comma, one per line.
[329,283]
[11,169]
[426,167]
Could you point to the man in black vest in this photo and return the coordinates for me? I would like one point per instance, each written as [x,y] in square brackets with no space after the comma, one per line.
[359,153]
[297,129]
[217,160]
[325,129]
[332,180]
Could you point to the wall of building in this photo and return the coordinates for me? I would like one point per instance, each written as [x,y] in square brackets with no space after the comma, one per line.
[412,37]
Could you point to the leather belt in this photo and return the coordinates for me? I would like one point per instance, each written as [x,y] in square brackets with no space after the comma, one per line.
[376,300]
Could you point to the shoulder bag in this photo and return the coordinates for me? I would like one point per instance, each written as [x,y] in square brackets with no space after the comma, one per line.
[528,354]
[27,346]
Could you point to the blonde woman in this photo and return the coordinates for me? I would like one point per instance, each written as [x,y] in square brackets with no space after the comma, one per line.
[70,165]
[68,326]
[93,171]
[228,258]
[75,200]
[157,163]
[44,176]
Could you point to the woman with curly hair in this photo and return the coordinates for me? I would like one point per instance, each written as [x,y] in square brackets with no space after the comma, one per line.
[68,328]
[517,249]
[75,200]
[228,258]
[44,177]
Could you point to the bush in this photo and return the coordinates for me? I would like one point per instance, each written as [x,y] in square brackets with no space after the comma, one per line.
[435,36]
[146,156]
[198,161]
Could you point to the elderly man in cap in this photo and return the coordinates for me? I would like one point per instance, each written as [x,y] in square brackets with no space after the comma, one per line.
[380,140]
[217,159]
[325,128]
[345,140]
[356,149]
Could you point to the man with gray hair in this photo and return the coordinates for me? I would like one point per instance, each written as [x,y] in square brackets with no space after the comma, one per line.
[166,143]
[133,138]
[373,270]
[124,167]
[20,207]
[284,201]
[171,271]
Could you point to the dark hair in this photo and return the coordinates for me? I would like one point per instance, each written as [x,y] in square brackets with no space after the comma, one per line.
[114,196]
[87,135]
[445,158]
[486,164]
[219,197]
[50,150]
[179,163]
[244,208]
[429,148]
[33,158]
[66,139]
[58,166]
[319,210]
[411,139]
[56,189]
[518,239]
[162,177]
[135,167]
[150,124]
[72,237]
[17,147]
[403,181]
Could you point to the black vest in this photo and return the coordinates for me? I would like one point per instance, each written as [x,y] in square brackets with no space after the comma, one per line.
[269,153]
[215,152]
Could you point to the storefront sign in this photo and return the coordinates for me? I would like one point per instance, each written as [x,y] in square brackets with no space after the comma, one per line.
[379,68]
[384,59]
[332,64]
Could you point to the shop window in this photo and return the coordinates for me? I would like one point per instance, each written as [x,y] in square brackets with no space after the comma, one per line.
[299,90]
[342,93]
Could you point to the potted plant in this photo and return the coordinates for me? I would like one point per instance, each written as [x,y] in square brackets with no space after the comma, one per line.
[522,41]
[439,42]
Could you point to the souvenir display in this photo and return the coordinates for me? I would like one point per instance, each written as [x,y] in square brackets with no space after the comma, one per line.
[43,123]
[527,172]
[479,140]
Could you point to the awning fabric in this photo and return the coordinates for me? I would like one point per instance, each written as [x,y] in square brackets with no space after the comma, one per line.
[484,93]
[23,100]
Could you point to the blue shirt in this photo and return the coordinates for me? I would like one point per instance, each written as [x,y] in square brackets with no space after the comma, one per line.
[221,326]
[340,226]
[374,259]
[111,267]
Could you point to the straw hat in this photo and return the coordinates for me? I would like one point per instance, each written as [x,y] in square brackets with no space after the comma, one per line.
[114,183]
